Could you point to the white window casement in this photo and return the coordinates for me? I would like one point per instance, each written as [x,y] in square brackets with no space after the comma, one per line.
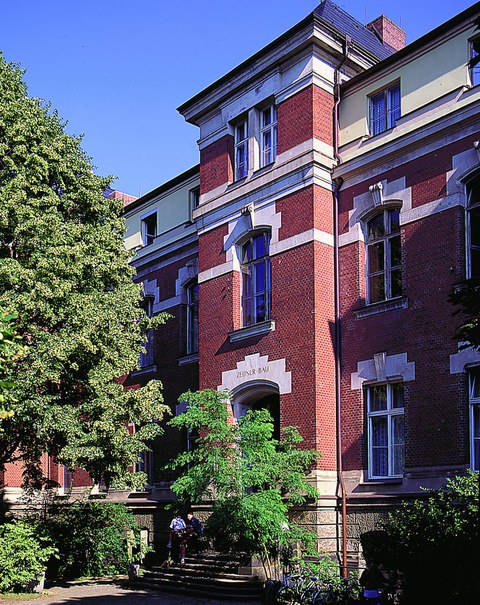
[256,279]
[149,228]
[384,256]
[474,63]
[241,150]
[386,443]
[473,229]
[147,358]
[268,135]
[384,109]
[192,317]
[474,404]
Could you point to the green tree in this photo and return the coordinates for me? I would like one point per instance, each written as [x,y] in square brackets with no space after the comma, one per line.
[253,479]
[65,272]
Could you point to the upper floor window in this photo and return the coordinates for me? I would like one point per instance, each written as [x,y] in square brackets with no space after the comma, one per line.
[241,150]
[192,318]
[473,229]
[474,63]
[256,279]
[268,140]
[386,443]
[384,257]
[149,228]
[384,109]
[193,200]
[147,357]
[474,400]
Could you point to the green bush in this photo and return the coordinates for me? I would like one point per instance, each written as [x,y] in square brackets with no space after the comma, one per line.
[435,544]
[24,554]
[93,538]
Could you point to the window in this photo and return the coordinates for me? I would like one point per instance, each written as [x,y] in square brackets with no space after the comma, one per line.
[241,150]
[473,229]
[256,279]
[193,200]
[268,135]
[386,444]
[384,109]
[192,318]
[474,63]
[149,229]
[147,358]
[474,398]
[384,257]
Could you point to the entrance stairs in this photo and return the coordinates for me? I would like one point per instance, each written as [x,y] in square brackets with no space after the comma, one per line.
[207,574]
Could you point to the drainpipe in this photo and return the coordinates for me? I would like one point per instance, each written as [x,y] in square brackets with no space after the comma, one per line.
[337,183]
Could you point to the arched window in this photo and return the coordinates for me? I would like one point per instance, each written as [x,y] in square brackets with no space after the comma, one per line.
[192,317]
[473,228]
[256,279]
[384,256]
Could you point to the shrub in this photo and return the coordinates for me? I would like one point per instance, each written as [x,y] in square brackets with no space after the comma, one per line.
[24,554]
[437,538]
[93,538]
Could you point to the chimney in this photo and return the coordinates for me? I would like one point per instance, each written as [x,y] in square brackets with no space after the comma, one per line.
[388,32]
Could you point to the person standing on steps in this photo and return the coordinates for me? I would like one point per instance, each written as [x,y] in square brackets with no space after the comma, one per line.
[178,534]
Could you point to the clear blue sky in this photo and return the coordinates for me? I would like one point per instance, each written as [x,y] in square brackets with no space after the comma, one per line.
[117,69]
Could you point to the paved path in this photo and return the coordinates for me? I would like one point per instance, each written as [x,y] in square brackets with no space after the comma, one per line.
[108,592]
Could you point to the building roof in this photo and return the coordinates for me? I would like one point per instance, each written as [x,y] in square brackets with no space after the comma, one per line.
[333,15]
[334,18]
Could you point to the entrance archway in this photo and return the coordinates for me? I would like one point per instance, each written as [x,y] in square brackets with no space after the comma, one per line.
[258,395]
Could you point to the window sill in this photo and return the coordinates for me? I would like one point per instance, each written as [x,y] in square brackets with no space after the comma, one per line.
[145,370]
[256,330]
[383,481]
[183,361]
[392,304]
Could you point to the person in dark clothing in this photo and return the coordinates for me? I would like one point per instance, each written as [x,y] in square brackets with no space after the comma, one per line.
[195,530]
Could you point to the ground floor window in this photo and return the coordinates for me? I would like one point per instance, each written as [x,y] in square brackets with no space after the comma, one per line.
[386,443]
[474,400]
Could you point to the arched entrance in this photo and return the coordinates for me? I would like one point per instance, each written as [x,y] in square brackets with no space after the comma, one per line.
[258,395]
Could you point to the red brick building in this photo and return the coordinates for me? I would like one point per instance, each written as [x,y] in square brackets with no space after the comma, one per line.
[307,261]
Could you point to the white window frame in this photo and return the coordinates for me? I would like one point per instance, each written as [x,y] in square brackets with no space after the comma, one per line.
[268,135]
[252,293]
[241,149]
[148,236]
[472,205]
[474,413]
[390,413]
[392,110]
[388,267]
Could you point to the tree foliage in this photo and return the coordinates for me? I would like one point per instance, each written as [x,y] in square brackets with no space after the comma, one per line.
[253,479]
[66,274]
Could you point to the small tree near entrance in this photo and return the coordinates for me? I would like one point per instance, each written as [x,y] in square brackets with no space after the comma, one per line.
[253,479]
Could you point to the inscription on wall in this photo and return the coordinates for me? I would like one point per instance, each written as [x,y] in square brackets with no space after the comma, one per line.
[258,367]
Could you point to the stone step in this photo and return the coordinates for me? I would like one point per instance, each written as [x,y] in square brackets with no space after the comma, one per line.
[201,570]
[212,576]
[224,592]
